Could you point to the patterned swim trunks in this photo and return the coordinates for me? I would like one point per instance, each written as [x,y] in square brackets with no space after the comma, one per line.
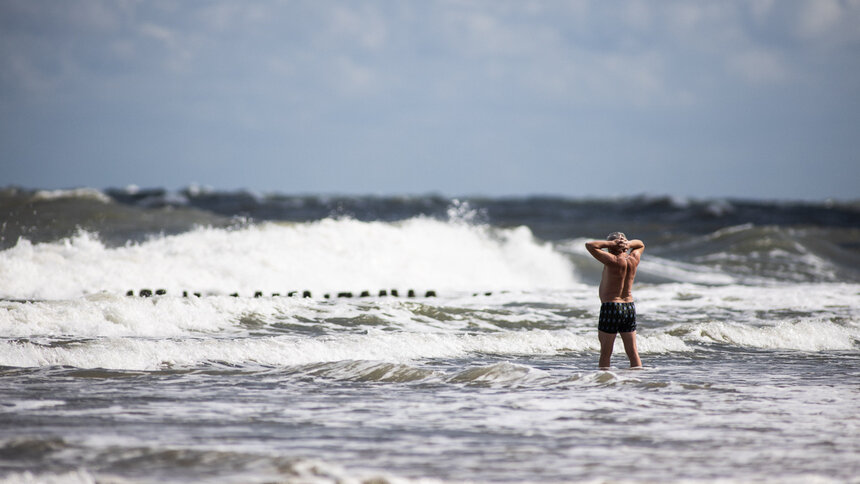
[617,317]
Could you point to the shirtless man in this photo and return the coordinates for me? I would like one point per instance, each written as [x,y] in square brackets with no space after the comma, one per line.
[617,312]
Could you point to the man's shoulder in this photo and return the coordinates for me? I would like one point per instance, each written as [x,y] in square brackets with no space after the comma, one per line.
[625,260]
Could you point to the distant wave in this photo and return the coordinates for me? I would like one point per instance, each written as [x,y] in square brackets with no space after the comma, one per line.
[328,255]
[79,193]
[711,241]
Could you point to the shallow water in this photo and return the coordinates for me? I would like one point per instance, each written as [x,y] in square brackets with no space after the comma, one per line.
[492,401]
[749,335]
[545,419]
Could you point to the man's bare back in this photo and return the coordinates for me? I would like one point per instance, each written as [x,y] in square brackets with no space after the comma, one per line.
[617,311]
[619,268]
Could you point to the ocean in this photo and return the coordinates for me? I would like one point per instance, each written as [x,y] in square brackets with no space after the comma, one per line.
[151,335]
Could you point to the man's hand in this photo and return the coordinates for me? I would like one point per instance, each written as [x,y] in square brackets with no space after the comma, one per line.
[636,247]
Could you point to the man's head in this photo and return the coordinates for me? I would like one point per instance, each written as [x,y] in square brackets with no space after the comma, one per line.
[620,242]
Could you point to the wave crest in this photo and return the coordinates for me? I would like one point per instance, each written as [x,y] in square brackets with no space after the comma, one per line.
[328,255]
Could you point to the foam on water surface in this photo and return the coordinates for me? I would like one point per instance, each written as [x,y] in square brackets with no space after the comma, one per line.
[329,255]
[284,351]
[109,331]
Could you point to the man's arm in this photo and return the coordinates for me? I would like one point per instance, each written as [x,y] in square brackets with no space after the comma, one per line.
[636,247]
[595,248]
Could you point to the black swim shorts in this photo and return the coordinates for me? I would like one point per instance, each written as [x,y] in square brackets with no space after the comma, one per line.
[617,317]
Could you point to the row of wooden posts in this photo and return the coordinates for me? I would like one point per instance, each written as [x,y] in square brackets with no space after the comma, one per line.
[381,293]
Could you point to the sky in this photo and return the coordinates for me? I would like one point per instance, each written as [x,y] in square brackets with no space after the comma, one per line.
[744,99]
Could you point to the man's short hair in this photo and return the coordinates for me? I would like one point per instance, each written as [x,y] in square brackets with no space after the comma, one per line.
[615,235]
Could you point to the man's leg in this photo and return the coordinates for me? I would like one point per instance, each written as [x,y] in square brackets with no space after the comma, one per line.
[629,340]
[607,341]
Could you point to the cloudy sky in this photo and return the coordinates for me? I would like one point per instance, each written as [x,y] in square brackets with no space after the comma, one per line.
[753,99]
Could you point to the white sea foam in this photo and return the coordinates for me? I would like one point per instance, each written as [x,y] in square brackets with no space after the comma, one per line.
[298,470]
[499,374]
[682,272]
[10,406]
[80,476]
[802,336]
[329,255]
[82,193]
[803,297]
[111,315]
[363,370]
[283,351]
[119,332]
[404,347]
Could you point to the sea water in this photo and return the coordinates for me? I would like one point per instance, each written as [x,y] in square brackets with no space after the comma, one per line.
[749,329]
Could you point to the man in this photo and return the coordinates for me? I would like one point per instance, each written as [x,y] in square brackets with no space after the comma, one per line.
[617,311]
